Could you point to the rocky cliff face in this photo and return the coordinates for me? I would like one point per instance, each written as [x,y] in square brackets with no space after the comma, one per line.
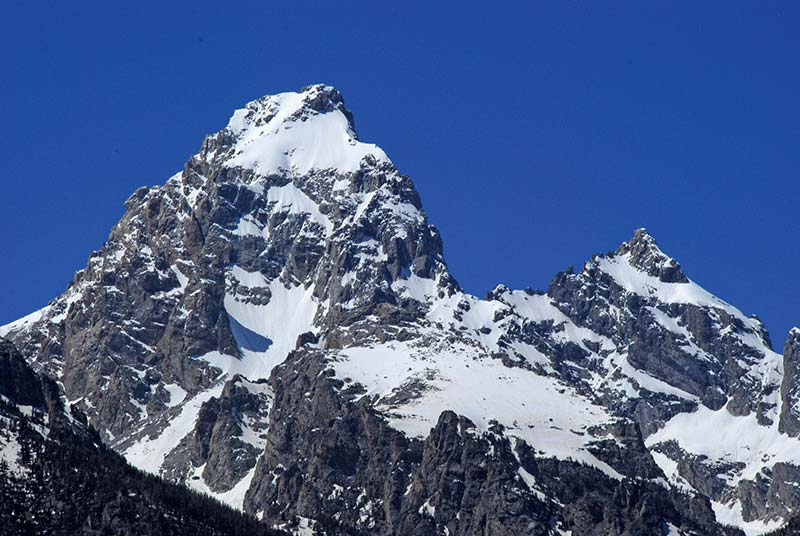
[276,326]
[56,477]
[790,388]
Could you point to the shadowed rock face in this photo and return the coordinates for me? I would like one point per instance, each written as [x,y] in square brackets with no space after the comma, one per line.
[56,477]
[790,388]
[18,383]
[337,460]
[276,326]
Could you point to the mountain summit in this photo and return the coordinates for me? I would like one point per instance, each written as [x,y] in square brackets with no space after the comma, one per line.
[648,257]
[295,133]
[276,326]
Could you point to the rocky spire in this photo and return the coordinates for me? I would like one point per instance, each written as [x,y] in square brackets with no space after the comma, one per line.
[648,257]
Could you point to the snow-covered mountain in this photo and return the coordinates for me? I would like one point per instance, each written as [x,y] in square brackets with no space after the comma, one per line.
[276,326]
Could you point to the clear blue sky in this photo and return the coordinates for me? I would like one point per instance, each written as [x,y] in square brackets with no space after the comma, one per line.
[537,134]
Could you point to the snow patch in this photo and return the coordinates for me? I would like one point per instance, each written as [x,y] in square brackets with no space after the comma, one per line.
[536,409]
[735,439]
[731,514]
[148,454]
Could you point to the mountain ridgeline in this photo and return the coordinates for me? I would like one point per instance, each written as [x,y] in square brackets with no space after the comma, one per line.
[276,326]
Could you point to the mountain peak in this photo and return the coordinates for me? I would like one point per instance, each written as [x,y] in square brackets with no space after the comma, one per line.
[297,132]
[641,235]
[323,98]
[319,98]
[794,336]
[647,256]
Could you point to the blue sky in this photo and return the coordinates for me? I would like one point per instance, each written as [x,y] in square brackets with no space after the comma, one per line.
[537,134]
